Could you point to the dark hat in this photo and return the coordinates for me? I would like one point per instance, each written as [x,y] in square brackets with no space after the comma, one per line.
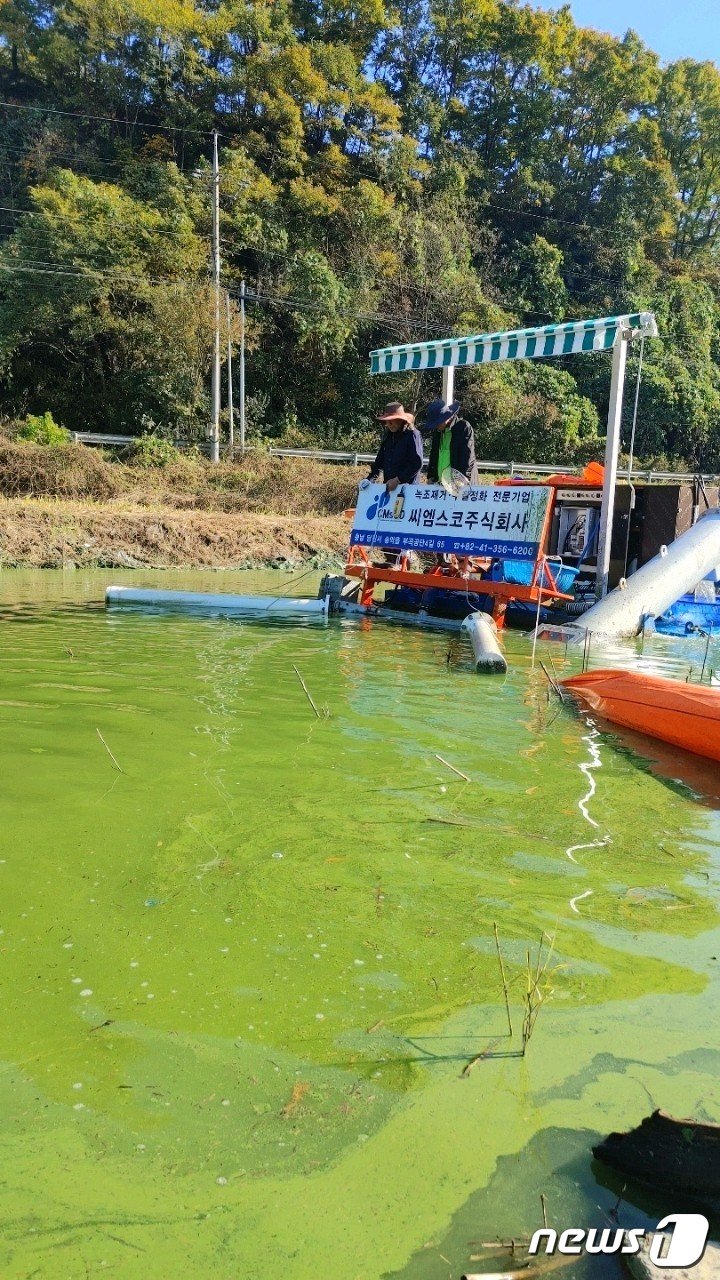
[395,410]
[438,411]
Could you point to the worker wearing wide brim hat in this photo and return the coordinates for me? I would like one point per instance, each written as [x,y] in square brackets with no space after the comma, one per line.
[452,442]
[400,456]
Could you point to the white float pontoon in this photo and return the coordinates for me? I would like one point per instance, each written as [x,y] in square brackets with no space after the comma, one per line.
[267,607]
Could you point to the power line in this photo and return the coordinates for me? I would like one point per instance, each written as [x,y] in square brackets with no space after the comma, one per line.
[36,266]
[300,304]
[289,303]
[277,300]
[567,222]
[93,159]
[354,161]
[84,115]
[307,161]
[62,220]
[26,151]
[273,300]
[63,272]
[39,266]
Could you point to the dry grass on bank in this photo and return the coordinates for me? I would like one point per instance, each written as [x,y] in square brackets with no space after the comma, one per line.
[70,505]
[280,486]
[53,534]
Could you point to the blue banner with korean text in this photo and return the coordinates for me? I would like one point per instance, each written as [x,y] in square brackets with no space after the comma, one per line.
[506,521]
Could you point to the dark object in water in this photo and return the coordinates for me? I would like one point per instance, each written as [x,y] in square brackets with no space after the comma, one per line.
[708,1268]
[436,602]
[676,1155]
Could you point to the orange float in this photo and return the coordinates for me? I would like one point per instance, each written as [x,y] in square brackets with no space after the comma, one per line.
[685,715]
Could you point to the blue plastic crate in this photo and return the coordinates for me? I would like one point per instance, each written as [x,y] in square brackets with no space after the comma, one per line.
[521,572]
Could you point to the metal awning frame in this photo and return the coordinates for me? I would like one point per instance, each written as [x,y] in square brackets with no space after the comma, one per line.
[576,337]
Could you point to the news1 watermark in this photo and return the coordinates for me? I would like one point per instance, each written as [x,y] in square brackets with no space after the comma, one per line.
[679,1240]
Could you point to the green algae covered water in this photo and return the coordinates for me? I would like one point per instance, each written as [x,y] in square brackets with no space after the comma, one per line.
[247,953]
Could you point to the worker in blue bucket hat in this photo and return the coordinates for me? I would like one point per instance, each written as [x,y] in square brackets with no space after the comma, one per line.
[452,442]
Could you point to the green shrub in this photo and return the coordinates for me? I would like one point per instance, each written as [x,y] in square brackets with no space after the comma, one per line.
[152,451]
[41,428]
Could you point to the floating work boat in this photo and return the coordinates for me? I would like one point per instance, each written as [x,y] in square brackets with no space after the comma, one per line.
[684,715]
[670,1154]
[692,614]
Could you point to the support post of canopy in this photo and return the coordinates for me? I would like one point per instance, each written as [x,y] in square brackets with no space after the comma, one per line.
[612,449]
[448,383]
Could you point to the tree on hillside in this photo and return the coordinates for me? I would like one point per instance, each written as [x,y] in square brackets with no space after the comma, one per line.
[388,172]
[103,309]
[688,115]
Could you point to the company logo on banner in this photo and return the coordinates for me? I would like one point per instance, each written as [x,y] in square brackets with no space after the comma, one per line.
[485,520]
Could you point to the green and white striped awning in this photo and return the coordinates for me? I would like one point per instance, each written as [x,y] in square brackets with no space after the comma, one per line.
[571,338]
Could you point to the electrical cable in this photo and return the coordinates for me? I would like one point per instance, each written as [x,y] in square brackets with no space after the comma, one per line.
[128,124]
[305,162]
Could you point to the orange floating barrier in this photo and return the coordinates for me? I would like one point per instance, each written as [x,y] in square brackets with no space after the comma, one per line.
[685,715]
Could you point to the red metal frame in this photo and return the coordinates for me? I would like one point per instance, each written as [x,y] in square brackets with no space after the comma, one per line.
[462,573]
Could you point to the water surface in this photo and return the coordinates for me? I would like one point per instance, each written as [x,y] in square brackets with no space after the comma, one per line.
[247,953]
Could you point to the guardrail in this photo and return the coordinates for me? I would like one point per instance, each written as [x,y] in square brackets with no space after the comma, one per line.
[107,440]
[323,455]
[506,468]
[99,437]
[484,464]
[358,459]
[336,455]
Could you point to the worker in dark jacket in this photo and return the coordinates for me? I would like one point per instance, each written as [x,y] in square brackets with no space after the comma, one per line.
[400,456]
[452,443]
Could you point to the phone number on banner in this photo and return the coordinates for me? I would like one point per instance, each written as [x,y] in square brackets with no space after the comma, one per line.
[436,542]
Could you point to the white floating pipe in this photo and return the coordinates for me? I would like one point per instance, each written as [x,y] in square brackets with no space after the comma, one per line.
[257,606]
[659,583]
[482,631]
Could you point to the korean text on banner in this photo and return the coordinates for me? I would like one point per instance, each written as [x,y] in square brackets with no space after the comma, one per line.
[484,520]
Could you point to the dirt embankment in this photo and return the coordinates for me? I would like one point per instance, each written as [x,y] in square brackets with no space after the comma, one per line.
[63,506]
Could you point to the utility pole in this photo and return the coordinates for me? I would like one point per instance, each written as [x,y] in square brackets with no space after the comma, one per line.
[242,367]
[215,429]
[231,411]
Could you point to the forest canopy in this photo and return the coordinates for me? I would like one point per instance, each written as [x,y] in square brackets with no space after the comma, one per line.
[389,172]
